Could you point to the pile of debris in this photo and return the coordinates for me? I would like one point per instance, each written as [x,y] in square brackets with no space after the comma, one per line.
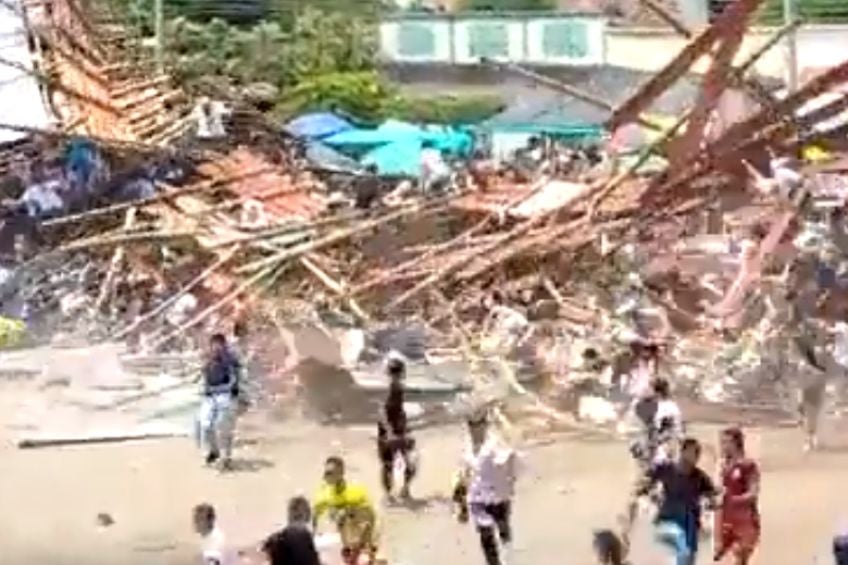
[543,264]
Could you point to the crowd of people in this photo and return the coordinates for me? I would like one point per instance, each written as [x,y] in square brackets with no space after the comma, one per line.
[669,480]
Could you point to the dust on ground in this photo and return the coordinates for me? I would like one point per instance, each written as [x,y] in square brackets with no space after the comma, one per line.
[51,497]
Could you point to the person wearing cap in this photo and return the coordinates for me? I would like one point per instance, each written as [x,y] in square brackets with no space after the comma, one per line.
[393,439]
[485,488]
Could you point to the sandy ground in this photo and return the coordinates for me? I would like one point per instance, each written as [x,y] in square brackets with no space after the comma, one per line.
[50,497]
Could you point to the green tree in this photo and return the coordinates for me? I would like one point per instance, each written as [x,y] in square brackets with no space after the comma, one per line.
[508,5]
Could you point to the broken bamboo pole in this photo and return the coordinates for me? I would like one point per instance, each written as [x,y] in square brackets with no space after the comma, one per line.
[120,239]
[114,265]
[142,202]
[634,106]
[573,91]
[337,287]
[223,302]
[462,238]
[182,292]
[341,235]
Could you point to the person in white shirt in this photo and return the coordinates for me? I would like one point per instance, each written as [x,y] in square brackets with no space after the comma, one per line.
[668,422]
[214,550]
[485,488]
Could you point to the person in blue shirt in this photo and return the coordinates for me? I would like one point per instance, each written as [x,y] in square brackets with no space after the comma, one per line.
[221,374]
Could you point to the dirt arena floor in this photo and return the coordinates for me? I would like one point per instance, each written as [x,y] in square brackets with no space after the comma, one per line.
[51,497]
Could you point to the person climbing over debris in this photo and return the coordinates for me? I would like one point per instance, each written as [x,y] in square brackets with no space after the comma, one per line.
[351,509]
[738,519]
[485,487]
[221,375]
[685,486]
[215,550]
[393,439]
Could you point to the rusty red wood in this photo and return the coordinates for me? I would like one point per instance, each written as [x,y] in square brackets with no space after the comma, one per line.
[659,83]
[714,85]
[757,128]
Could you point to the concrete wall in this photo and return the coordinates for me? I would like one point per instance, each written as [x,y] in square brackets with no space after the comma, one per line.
[569,40]
[819,46]
[463,39]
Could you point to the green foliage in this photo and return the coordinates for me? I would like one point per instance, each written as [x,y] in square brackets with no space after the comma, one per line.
[318,44]
[447,109]
[508,5]
[810,11]
[361,94]
[367,96]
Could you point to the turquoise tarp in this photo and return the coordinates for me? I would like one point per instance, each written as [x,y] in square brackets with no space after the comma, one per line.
[401,158]
[450,140]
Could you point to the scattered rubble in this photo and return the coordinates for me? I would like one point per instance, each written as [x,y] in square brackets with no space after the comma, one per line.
[709,243]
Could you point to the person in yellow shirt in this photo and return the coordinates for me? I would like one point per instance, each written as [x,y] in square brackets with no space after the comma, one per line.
[349,506]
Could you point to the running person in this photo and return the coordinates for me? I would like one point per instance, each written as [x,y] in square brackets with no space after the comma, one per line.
[684,487]
[393,439]
[350,507]
[738,519]
[485,489]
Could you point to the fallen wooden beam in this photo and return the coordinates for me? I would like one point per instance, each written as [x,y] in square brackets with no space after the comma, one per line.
[36,443]
[631,109]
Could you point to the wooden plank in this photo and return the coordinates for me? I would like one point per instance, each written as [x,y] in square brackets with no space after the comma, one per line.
[630,110]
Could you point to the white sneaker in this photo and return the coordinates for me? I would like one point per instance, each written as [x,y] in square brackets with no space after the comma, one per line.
[507,554]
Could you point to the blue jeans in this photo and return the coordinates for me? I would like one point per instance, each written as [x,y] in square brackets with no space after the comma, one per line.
[681,538]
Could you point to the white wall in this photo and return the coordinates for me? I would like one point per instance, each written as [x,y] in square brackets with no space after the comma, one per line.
[525,39]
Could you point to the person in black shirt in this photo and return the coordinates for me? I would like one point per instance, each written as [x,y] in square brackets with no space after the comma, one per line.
[684,487]
[393,437]
[294,544]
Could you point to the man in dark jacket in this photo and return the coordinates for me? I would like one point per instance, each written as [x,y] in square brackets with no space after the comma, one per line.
[393,437]
[218,406]
[293,545]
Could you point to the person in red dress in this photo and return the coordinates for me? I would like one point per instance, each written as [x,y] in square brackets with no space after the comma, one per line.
[738,519]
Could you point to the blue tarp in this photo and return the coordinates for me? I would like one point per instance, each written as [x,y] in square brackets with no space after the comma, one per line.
[318,125]
[449,140]
[401,158]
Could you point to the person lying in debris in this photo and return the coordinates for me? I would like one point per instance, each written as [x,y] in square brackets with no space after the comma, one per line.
[350,508]
[221,375]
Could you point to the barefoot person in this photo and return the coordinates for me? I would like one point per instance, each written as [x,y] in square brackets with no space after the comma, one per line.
[350,507]
[218,406]
[215,550]
[485,488]
[684,488]
[738,519]
[393,439]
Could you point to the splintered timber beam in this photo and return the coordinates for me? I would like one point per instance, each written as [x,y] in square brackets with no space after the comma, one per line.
[182,292]
[714,85]
[630,110]
[162,197]
[424,209]
[760,127]
[463,238]
[572,91]
[814,88]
